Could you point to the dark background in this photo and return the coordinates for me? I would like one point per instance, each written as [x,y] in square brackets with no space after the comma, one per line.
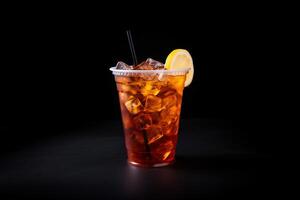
[57,79]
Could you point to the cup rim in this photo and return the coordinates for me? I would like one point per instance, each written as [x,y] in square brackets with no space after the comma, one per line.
[172,71]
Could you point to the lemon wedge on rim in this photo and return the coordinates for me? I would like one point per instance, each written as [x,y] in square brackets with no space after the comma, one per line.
[181,58]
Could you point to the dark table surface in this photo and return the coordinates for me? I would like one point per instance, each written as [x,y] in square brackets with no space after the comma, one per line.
[214,159]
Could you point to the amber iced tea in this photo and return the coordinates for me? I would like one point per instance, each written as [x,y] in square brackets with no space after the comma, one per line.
[150,106]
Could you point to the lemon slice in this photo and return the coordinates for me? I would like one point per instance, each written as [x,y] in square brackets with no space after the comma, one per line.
[181,58]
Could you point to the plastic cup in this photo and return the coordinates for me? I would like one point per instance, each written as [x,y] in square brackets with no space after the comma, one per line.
[150,102]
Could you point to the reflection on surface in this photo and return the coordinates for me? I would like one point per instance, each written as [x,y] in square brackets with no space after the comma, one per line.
[138,181]
[207,174]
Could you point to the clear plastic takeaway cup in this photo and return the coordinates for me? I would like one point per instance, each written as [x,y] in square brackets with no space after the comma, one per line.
[150,103]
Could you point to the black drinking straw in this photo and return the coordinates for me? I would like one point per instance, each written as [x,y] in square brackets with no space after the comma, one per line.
[128,32]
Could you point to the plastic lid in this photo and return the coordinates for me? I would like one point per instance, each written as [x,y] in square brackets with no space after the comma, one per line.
[123,72]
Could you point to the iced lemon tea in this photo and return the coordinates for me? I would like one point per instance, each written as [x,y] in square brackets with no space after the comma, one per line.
[150,99]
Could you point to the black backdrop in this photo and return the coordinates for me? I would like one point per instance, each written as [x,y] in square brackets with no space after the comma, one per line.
[57,77]
[55,74]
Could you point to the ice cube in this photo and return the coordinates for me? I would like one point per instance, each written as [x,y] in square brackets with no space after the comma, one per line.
[128,84]
[169,120]
[133,105]
[171,129]
[123,96]
[134,140]
[176,83]
[166,155]
[153,103]
[150,88]
[126,118]
[155,117]
[150,64]
[166,91]
[164,150]
[171,84]
[123,87]
[141,98]
[170,100]
[131,81]
[154,133]
[143,66]
[171,111]
[170,114]
[122,65]
[138,137]
[142,121]
[154,63]
[149,77]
